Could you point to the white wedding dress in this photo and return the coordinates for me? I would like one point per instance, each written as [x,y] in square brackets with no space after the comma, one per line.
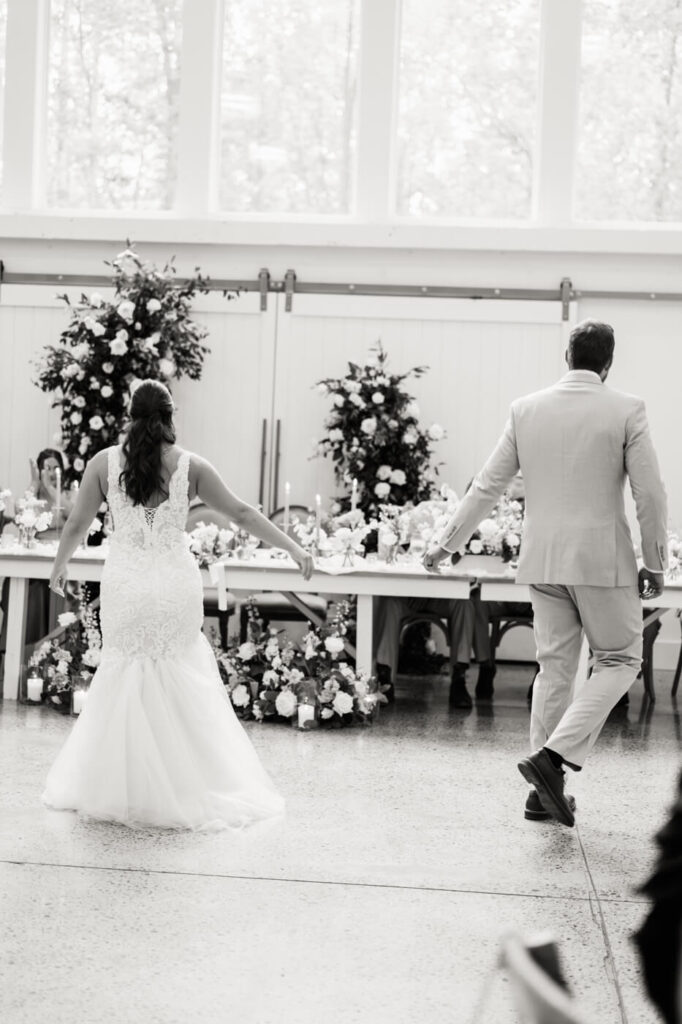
[158,742]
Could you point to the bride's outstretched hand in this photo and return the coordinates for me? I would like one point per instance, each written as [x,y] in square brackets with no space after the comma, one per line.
[57,581]
[304,561]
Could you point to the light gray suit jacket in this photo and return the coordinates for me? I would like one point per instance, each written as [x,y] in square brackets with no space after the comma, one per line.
[575,444]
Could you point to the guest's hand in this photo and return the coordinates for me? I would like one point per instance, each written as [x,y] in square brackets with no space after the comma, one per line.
[650,584]
[433,557]
[58,580]
[304,561]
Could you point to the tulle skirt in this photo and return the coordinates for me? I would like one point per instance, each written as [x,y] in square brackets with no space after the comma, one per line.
[158,744]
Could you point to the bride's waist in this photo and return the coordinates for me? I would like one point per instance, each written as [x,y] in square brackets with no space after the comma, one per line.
[161,556]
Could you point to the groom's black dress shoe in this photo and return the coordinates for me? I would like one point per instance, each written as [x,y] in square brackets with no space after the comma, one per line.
[539,771]
[534,811]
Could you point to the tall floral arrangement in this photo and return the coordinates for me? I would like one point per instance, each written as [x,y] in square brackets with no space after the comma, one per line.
[374,435]
[144,330]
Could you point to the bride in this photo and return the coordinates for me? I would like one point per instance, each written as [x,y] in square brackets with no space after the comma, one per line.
[158,743]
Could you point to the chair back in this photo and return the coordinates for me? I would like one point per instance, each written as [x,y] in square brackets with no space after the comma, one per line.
[540,998]
[203,514]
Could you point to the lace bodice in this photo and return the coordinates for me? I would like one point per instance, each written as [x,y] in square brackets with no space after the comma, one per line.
[161,528]
[152,602]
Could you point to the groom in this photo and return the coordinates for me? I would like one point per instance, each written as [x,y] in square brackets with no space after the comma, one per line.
[575,443]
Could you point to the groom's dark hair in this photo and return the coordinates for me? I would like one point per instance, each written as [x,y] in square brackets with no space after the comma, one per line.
[591,345]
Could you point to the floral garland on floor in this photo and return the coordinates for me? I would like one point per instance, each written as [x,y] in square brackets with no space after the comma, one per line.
[69,660]
[374,437]
[268,677]
[144,331]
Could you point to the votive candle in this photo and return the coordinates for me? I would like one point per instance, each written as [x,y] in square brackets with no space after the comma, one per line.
[34,687]
[318,518]
[77,701]
[306,713]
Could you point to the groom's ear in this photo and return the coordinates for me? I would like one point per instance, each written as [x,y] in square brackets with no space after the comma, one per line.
[566,357]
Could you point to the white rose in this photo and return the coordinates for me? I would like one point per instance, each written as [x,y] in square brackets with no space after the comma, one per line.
[356,400]
[398,478]
[327,713]
[108,367]
[369,425]
[334,644]
[94,384]
[410,436]
[382,490]
[81,350]
[84,445]
[336,435]
[107,391]
[98,329]
[378,398]
[352,387]
[339,400]
[342,703]
[75,418]
[488,529]
[71,370]
[62,668]
[126,310]
[153,306]
[96,423]
[436,432]
[78,465]
[285,703]
[92,657]
[240,696]
[66,618]
[322,388]
[384,472]
[412,409]
[246,651]
[79,401]
[117,347]
[475,547]
[96,300]
[167,367]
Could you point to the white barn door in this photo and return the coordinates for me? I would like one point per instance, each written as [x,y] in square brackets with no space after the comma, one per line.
[481,355]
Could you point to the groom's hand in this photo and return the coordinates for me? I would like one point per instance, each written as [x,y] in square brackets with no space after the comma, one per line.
[434,556]
[650,584]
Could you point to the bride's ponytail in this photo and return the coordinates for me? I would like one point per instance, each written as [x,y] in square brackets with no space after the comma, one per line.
[151,426]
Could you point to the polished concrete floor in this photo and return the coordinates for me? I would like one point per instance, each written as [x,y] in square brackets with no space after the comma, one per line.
[382,898]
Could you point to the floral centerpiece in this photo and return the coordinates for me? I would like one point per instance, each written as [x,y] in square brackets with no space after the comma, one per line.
[268,677]
[674,556]
[500,533]
[374,437]
[32,517]
[208,542]
[144,330]
[68,661]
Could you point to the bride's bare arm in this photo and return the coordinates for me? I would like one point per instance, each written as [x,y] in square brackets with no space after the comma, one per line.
[213,491]
[90,497]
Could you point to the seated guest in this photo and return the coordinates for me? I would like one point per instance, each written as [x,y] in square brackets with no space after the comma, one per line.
[467,630]
[468,627]
[44,486]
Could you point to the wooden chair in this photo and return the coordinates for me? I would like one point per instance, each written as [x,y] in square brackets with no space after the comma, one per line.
[201,513]
[274,607]
[540,992]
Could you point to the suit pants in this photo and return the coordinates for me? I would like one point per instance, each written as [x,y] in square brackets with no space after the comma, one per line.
[467,626]
[611,618]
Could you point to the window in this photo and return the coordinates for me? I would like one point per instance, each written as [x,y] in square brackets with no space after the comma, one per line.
[113,91]
[629,162]
[467,108]
[288,105]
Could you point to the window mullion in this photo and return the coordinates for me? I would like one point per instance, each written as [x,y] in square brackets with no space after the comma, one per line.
[202,33]
[558,110]
[25,71]
[379,39]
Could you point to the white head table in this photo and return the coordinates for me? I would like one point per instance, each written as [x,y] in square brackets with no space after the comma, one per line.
[269,570]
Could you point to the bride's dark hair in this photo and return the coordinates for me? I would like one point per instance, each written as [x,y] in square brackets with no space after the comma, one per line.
[151,426]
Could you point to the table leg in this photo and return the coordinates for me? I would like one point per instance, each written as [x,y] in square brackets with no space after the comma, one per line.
[365,629]
[16,630]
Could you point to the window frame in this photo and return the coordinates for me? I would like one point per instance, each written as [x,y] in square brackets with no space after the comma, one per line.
[373,222]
